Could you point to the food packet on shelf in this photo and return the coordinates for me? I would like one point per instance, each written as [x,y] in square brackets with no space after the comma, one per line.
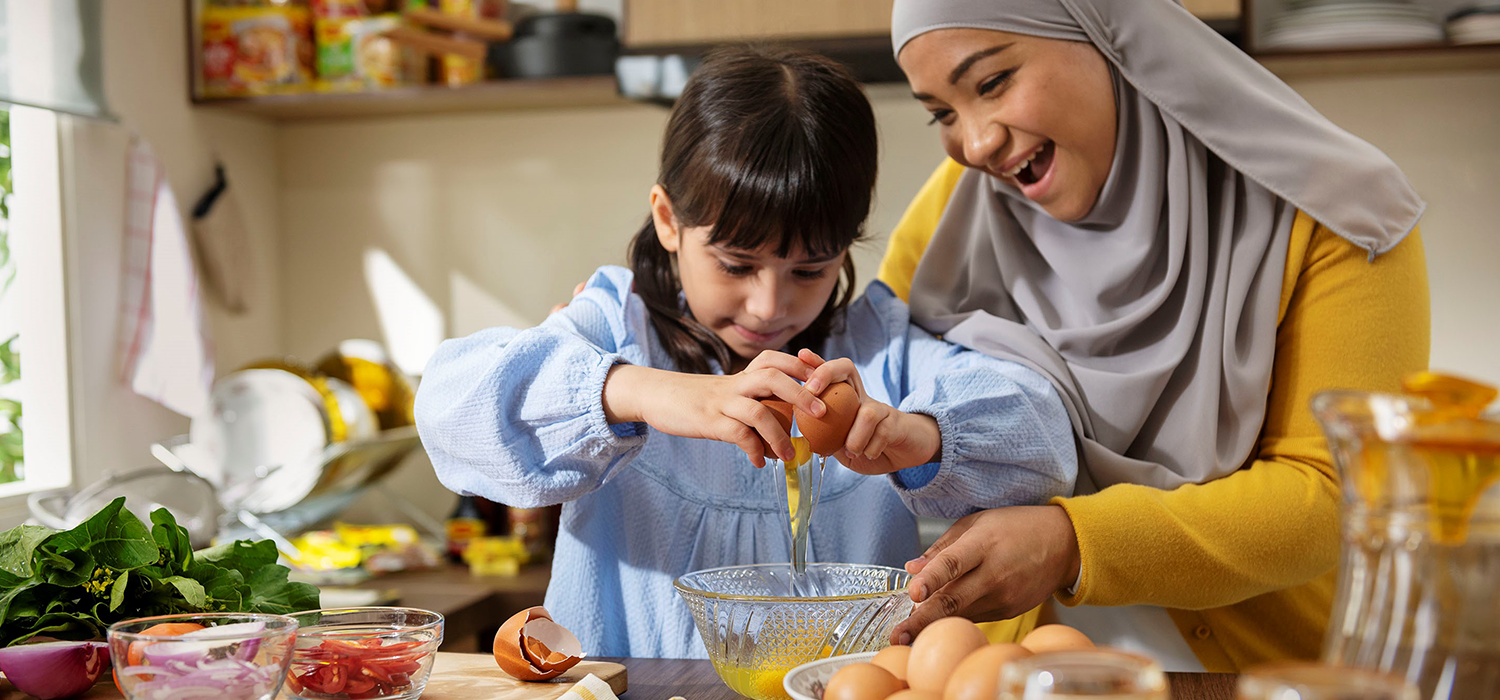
[256,50]
[354,54]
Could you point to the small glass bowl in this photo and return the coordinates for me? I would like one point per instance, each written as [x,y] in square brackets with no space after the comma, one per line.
[373,653]
[245,659]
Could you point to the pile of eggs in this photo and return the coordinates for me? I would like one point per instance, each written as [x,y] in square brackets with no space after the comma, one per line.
[950,660]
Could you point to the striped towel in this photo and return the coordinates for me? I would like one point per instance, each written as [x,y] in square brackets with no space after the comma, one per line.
[164,349]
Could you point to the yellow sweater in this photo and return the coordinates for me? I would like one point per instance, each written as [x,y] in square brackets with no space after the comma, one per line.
[1245,565]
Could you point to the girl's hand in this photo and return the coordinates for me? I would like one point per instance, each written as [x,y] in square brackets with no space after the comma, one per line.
[725,408]
[883,439]
[992,565]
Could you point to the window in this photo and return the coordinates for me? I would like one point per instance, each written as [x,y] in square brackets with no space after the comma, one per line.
[36,441]
[12,452]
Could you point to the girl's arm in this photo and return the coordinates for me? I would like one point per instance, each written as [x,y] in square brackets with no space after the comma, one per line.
[516,415]
[1005,437]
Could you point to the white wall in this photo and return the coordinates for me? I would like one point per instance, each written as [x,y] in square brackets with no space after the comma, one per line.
[1444,132]
[145,67]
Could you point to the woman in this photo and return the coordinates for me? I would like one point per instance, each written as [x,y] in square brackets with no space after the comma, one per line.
[1188,251]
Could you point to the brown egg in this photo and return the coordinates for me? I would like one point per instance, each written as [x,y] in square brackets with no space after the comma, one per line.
[827,434]
[531,647]
[1055,638]
[938,650]
[861,682]
[916,695]
[783,412]
[978,675]
[894,659]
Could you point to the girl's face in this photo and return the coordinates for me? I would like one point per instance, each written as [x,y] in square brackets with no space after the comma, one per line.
[1036,113]
[752,299]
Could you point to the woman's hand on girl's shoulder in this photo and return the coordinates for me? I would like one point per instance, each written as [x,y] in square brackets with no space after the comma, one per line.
[883,439]
[726,408]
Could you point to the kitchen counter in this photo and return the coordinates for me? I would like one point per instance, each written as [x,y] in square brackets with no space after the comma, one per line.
[659,679]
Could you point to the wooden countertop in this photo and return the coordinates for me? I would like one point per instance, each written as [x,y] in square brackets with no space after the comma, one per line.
[659,679]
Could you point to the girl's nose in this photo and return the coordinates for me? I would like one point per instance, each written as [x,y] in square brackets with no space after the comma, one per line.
[982,143]
[768,300]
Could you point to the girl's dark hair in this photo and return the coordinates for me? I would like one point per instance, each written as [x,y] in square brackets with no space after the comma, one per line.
[767,146]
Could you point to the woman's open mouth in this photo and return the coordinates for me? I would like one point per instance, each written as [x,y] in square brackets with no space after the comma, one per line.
[1032,171]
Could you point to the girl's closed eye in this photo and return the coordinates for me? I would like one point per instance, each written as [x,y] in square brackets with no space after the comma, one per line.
[734,269]
[811,274]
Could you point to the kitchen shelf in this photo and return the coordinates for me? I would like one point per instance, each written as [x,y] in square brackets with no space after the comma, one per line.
[1366,61]
[490,96]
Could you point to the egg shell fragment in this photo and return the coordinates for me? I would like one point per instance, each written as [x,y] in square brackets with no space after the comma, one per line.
[531,647]
[783,412]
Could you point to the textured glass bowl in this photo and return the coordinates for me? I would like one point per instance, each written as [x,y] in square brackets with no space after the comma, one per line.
[756,627]
[247,660]
[372,653]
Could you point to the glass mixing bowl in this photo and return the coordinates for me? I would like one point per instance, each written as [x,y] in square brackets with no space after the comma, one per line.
[756,627]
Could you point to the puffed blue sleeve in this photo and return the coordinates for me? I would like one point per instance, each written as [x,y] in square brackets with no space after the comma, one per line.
[1006,436]
[517,416]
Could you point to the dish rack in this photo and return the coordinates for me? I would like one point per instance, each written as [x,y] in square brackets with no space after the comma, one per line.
[282,500]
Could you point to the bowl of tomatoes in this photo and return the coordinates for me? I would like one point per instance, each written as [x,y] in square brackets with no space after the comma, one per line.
[370,653]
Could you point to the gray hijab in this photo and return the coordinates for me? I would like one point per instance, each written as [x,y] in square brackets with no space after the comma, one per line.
[1155,316]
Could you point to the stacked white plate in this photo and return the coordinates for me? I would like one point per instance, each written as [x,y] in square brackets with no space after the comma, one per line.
[1328,24]
[1475,25]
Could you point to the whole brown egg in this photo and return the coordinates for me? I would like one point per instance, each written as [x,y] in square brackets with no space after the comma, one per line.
[938,650]
[861,682]
[1056,638]
[978,675]
[828,433]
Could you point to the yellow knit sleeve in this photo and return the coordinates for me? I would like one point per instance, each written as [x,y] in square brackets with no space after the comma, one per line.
[1345,322]
[914,230]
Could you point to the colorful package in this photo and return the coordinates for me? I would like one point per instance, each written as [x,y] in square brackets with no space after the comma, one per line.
[255,50]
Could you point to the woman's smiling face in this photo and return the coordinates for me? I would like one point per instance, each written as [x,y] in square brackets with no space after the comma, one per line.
[1036,113]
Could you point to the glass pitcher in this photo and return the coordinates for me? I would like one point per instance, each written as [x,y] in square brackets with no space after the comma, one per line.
[1419,583]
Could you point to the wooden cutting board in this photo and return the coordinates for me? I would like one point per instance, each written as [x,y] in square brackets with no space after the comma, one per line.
[478,677]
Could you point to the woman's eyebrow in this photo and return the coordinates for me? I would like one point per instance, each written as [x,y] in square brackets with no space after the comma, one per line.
[964,65]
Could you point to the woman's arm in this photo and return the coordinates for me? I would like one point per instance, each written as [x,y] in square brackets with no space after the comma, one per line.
[1347,322]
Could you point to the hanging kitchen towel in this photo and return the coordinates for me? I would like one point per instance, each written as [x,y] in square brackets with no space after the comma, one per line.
[223,251]
[164,349]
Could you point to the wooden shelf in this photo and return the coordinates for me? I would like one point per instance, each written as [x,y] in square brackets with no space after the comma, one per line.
[1373,60]
[491,96]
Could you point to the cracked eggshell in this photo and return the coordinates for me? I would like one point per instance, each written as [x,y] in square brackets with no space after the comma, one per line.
[828,434]
[783,412]
[531,647]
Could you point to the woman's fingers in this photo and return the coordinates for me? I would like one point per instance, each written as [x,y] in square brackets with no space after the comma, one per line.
[944,587]
[951,535]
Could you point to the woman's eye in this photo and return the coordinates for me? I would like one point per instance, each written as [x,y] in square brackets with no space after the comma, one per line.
[734,270]
[941,115]
[991,84]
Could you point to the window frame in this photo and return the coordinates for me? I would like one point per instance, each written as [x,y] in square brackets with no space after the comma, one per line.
[43,260]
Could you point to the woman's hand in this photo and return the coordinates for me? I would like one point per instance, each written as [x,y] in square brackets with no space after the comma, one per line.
[992,565]
[883,439]
[715,407]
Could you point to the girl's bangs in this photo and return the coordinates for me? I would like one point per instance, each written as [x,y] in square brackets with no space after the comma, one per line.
[785,198]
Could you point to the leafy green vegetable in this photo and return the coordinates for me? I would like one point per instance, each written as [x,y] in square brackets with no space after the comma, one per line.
[76,583]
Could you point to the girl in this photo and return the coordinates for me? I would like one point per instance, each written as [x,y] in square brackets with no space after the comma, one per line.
[767,170]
